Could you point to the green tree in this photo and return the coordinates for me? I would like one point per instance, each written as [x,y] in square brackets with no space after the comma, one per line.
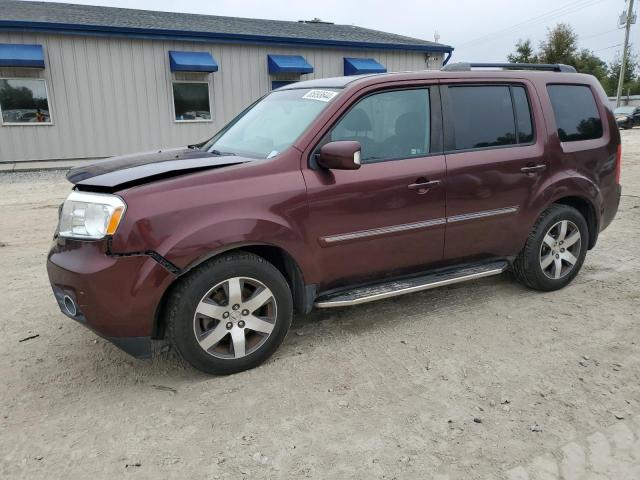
[524,53]
[19,97]
[631,84]
[587,62]
[560,46]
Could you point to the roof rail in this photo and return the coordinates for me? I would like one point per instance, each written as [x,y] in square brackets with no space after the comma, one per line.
[465,66]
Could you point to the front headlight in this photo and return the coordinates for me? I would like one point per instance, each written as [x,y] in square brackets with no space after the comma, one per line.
[90,216]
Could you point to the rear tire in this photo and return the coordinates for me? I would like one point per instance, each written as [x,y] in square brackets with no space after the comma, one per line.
[229,314]
[555,249]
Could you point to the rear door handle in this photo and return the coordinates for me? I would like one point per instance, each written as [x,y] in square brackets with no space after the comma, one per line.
[423,187]
[534,168]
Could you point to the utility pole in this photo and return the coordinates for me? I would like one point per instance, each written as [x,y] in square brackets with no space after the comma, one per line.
[623,65]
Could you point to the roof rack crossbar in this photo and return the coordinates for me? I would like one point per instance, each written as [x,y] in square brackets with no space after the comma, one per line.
[466,66]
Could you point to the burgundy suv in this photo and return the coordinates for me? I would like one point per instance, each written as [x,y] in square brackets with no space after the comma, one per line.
[336,192]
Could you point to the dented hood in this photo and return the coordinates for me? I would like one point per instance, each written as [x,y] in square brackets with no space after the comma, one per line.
[128,170]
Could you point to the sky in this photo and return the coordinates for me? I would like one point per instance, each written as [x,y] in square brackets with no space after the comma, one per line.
[483,30]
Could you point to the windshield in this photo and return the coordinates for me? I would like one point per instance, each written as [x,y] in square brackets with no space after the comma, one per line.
[271,125]
[624,110]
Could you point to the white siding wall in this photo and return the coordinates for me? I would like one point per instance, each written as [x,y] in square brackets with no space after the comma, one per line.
[109,96]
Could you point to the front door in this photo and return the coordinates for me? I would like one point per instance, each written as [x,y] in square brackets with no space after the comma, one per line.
[494,143]
[387,217]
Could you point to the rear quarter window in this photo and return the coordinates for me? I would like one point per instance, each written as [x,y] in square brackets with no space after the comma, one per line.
[576,112]
[523,114]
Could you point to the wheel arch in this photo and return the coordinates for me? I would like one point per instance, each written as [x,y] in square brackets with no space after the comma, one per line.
[587,210]
[303,295]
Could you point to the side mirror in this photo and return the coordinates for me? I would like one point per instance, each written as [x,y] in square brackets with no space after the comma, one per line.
[341,155]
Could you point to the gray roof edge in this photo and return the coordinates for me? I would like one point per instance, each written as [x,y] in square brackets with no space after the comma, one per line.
[28,16]
[188,35]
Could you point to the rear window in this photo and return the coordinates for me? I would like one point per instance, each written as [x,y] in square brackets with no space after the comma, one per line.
[523,115]
[482,116]
[576,112]
[487,116]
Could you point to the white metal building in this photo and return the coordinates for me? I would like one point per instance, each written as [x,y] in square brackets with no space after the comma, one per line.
[626,100]
[82,81]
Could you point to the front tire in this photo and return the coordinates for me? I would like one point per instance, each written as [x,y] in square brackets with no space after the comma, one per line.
[555,249]
[230,314]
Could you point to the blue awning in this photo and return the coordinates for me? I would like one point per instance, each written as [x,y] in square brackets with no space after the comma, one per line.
[288,64]
[17,55]
[192,62]
[358,66]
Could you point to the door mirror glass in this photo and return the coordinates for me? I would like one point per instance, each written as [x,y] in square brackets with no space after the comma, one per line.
[341,155]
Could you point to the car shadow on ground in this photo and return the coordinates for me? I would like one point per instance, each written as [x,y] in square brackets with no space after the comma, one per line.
[167,368]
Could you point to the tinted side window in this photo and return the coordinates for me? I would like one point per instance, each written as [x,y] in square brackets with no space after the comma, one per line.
[388,125]
[523,115]
[576,113]
[482,116]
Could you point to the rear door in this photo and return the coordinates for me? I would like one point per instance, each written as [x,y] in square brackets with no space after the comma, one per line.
[495,155]
[388,216]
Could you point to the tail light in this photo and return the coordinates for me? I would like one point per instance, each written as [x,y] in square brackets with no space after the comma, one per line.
[618,163]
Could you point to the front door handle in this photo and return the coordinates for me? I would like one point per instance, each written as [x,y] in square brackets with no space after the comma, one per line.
[534,168]
[423,185]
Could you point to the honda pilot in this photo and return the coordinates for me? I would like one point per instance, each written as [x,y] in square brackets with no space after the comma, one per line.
[336,192]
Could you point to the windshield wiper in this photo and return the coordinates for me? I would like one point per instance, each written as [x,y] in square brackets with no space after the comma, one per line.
[223,154]
[193,147]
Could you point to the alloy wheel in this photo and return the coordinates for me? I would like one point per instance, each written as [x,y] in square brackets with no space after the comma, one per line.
[235,318]
[560,249]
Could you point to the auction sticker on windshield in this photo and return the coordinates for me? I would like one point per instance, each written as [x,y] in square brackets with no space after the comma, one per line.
[321,95]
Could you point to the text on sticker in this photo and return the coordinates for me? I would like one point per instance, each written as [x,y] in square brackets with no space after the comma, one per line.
[321,95]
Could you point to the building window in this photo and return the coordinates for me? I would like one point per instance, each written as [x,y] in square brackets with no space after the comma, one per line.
[191,101]
[24,101]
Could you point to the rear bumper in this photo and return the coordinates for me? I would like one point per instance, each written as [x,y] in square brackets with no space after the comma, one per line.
[116,297]
[610,206]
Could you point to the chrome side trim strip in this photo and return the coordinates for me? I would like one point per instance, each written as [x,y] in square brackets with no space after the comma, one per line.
[483,214]
[343,237]
[382,231]
[403,291]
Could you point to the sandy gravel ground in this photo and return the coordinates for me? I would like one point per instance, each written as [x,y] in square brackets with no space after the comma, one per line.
[476,381]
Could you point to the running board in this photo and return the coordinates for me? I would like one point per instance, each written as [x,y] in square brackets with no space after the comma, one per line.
[394,288]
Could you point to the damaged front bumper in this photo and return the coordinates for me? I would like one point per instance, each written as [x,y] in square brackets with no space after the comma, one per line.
[116,297]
